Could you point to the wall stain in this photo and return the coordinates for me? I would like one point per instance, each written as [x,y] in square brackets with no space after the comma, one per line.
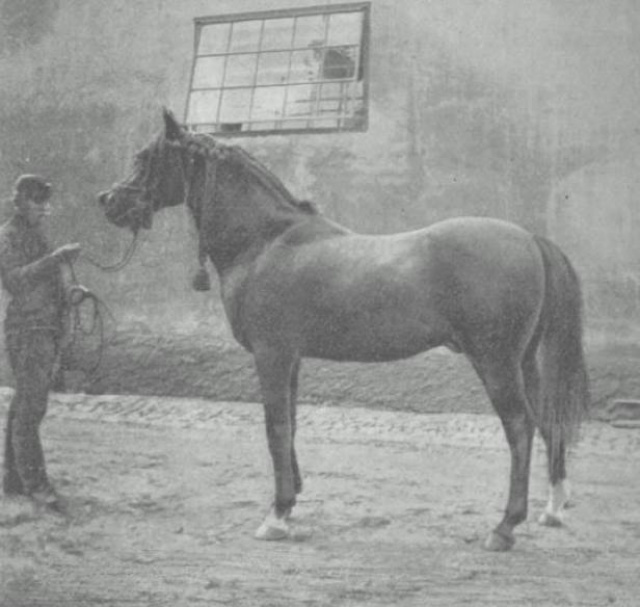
[25,24]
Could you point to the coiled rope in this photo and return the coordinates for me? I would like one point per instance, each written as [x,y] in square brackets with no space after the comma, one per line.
[82,324]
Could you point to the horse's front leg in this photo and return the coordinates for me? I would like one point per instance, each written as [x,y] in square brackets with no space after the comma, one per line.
[275,369]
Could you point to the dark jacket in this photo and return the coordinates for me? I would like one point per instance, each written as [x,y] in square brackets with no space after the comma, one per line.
[31,276]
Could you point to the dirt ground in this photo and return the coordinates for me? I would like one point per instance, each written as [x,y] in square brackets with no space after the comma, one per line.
[164,494]
[165,489]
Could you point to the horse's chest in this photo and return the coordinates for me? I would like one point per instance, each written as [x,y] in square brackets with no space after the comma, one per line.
[233,290]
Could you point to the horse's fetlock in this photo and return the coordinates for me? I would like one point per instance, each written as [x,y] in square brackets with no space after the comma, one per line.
[284,507]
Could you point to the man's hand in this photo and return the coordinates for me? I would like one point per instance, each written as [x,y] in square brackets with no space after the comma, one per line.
[67,253]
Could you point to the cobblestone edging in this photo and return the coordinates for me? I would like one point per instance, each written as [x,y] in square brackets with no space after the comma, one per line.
[322,424]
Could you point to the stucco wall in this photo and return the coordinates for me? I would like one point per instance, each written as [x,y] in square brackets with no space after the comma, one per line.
[510,108]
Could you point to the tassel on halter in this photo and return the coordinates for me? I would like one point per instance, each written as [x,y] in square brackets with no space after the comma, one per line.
[201,280]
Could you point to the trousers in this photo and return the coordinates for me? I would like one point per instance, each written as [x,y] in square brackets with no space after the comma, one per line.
[32,355]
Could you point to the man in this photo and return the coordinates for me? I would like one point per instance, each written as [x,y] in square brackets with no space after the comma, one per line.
[32,274]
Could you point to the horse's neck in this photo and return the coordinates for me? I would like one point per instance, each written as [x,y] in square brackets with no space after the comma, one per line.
[241,222]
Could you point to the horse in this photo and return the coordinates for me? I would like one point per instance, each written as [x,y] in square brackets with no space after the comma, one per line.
[296,284]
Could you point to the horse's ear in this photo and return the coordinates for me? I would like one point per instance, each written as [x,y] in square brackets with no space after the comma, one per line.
[172,129]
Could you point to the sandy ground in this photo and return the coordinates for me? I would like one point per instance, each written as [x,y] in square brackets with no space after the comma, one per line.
[164,495]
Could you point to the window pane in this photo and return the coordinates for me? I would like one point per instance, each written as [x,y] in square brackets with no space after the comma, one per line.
[262,126]
[344,28]
[296,124]
[235,105]
[324,123]
[273,68]
[338,63]
[214,38]
[208,72]
[268,103]
[301,100]
[331,106]
[203,106]
[305,66]
[245,36]
[300,107]
[240,70]
[277,34]
[355,92]
[310,31]
[202,128]
[341,98]
[331,91]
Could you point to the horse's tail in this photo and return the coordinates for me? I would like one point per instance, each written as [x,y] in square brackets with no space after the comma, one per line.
[564,396]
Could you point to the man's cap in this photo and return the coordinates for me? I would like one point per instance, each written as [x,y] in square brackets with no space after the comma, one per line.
[34,187]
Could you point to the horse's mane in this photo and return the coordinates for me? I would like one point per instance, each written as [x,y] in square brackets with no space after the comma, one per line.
[207,145]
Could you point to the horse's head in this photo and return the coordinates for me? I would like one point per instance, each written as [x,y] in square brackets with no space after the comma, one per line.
[157,180]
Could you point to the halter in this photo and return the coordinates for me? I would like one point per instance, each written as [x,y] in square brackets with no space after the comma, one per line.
[148,191]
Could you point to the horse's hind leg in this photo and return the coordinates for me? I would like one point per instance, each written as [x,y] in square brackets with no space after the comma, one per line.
[275,369]
[505,386]
[558,487]
[553,514]
[558,491]
[293,404]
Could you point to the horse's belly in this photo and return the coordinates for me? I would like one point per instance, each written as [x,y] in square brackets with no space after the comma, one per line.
[376,341]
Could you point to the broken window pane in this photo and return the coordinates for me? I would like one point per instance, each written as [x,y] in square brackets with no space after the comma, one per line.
[338,63]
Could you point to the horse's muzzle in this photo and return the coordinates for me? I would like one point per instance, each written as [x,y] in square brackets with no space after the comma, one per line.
[111,208]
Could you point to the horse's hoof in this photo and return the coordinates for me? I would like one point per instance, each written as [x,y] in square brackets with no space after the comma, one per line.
[548,519]
[496,542]
[273,529]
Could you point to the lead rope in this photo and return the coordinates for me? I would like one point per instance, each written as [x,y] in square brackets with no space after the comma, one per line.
[119,265]
[77,327]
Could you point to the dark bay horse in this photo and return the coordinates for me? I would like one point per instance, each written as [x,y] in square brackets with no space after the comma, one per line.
[295,284]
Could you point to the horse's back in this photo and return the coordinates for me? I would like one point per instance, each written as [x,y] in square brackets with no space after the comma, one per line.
[485,236]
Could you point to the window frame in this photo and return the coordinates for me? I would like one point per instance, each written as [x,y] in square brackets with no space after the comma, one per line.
[326,9]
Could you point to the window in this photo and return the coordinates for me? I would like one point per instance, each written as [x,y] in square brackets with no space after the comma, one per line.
[298,70]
